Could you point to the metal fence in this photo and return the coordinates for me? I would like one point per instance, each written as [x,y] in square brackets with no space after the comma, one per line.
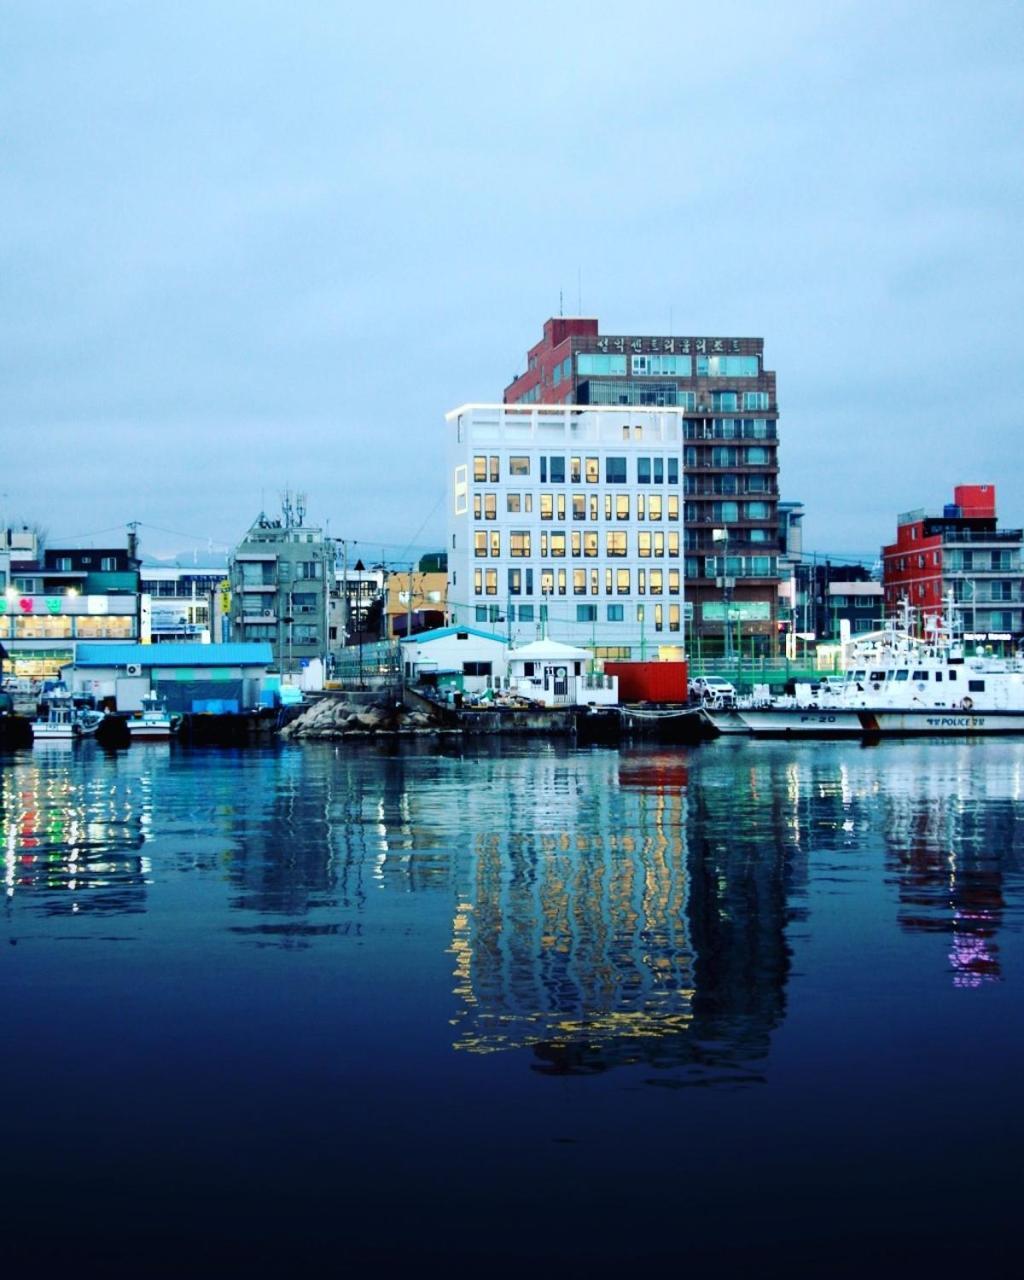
[370,665]
[746,672]
[376,665]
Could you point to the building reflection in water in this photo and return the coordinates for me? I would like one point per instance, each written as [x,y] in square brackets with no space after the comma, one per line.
[73,841]
[953,832]
[606,907]
[620,918]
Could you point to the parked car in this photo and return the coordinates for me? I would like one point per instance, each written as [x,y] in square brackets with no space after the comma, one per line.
[713,691]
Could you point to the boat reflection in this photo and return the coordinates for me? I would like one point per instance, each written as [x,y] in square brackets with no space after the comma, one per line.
[73,844]
[953,835]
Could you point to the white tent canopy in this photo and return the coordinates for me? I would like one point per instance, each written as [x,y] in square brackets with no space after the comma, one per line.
[548,651]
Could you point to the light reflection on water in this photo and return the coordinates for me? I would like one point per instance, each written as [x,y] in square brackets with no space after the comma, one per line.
[345,970]
[602,907]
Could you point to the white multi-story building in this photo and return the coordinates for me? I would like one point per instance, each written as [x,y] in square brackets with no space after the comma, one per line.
[566,521]
[185,602]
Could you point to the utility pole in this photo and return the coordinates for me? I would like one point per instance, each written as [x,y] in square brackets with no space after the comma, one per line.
[408,608]
[343,628]
[726,584]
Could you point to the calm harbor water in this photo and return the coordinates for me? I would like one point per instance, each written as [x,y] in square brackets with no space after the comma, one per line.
[750,1004]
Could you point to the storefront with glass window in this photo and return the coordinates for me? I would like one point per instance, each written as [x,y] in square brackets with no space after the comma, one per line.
[40,632]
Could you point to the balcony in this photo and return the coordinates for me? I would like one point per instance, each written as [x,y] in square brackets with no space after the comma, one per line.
[699,488]
[958,575]
[950,537]
[737,546]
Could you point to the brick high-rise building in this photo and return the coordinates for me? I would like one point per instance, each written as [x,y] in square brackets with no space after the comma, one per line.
[729,476]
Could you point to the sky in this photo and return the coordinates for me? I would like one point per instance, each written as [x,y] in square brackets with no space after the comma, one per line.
[254,246]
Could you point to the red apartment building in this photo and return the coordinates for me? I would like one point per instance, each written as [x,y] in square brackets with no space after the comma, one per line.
[730,472]
[962,550]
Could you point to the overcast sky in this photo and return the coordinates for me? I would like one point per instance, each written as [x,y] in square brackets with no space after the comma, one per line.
[249,245]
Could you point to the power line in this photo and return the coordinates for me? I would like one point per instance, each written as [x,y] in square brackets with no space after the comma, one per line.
[412,540]
[177,533]
[75,537]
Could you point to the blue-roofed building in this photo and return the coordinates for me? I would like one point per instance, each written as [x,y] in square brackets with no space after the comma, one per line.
[477,659]
[191,677]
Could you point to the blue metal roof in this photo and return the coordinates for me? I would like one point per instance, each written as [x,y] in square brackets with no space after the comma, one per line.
[439,633]
[174,654]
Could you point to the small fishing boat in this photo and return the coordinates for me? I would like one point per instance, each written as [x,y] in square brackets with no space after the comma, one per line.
[65,721]
[154,721]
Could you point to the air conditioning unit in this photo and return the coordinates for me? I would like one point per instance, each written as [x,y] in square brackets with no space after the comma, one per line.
[133,669]
[268,613]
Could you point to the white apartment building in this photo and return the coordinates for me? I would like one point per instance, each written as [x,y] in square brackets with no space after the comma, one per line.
[565,521]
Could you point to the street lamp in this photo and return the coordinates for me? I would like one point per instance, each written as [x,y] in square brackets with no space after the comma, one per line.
[289,621]
[725,584]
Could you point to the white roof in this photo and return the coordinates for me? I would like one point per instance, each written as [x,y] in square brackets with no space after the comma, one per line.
[548,651]
[855,588]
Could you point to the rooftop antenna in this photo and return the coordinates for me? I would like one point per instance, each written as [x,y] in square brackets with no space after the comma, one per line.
[561,310]
[300,509]
[287,510]
[670,322]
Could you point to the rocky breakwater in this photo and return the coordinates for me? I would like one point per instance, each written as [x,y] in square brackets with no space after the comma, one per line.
[336,717]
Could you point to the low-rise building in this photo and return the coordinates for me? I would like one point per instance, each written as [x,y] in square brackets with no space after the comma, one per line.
[57,597]
[357,606]
[416,601]
[191,677]
[185,602]
[477,658]
[557,676]
[858,605]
